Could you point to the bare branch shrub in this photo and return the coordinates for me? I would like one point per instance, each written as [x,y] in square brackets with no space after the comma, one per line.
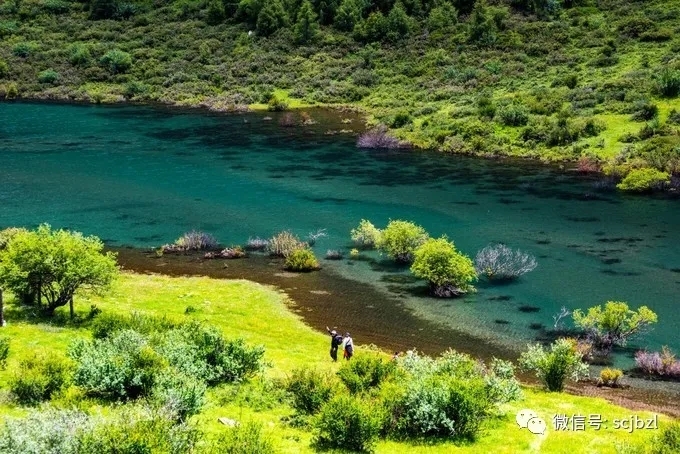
[332,254]
[378,137]
[284,243]
[313,236]
[257,244]
[499,262]
[192,241]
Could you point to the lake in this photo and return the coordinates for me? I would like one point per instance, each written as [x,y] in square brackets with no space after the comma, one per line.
[142,176]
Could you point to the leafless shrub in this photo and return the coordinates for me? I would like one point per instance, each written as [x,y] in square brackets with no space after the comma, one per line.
[228,253]
[313,236]
[257,244]
[499,262]
[191,241]
[332,254]
[284,243]
[378,137]
[557,318]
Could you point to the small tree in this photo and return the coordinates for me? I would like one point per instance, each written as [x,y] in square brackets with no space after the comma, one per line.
[613,324]
[400,239]
[366,235]
[49,266]
[449,272]
[272,17]
[348,15]
[306,27]
[398,23]
[553,367]
[482,26]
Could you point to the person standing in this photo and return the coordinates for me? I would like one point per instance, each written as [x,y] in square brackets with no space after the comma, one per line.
[348,347]
[336,341]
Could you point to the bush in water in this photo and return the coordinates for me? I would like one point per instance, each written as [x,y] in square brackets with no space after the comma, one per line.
[502,263]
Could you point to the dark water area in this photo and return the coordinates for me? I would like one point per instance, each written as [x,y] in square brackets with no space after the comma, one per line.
[141,176]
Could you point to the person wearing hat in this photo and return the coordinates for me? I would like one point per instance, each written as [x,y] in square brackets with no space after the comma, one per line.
[336,340]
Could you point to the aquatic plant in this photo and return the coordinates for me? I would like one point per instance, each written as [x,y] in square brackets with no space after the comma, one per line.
[365,235]
[333,254]
[557,318]
[284,243]
[661,364]
[499,262]
[257,244]
[448,272]
[313,236]
[192,241]
[302,259]
[378,137]
[400,239]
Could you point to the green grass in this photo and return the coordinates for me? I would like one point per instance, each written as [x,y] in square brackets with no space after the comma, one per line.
[262,315]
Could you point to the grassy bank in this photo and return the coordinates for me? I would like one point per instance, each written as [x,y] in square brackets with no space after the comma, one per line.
[261,315]
[562,80]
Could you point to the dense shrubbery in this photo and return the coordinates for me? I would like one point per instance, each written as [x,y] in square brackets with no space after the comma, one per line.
[644,180]
[366,372]
[347,423]
[400,239]
[555,366]
[38,377]
[310,390]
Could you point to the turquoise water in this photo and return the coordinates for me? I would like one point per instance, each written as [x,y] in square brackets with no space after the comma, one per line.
[142,176]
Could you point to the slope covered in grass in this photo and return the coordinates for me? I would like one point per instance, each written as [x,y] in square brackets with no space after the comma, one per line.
[260,315]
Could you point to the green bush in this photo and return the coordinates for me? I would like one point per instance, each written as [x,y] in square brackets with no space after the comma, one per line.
[310,390]
[272,17]
[668,441]
[49,76]
[24,49]
[400,239]
[79,55]
[644,111]
[448,271]
[4,68]
[179,395]
[501,384]
[366,235]
[614,323]
[116,61]
[442,17]
[553,367]
[106,324]
[643,180]
[348,14]
[366,372]
[513,115]
[306,28]
[284,243]
[668,83]
[4,350]
[12,90]
[347,423]
[248,438]
[302,259]
[38,377]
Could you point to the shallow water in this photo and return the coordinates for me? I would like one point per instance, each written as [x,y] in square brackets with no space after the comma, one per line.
[142,176]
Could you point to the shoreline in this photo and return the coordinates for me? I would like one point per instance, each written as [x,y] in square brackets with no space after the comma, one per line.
[386,323]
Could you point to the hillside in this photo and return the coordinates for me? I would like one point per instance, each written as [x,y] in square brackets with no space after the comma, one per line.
[551,79]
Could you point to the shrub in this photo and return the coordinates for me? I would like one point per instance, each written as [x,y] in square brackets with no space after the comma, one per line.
[284,243]
[442,17]
[116,61]
[644,180]
[366,372]
[400,239]
[448,272]
[486,107]
[513,115]
[658,364]
[256,244]
[668,83]
[12,91]
[7,234]
[4,350]
[306,28]
[302,259]
[54,264]
[366,235]
[499,262]
[272,17]
[39,377]
[674,117]
[333,254]
[4,68]
[247,438]
[347,423]
[378,138]
[310,390]
[23,49]
[196,241]
[644,111]
[554,366]
[610,377]
[501,384]
[49,76]
[276,104]
[179,395]
[105,325]
[668,441]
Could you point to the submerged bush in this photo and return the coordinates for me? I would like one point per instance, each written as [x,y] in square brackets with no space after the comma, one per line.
[284,243]
[400,239]
[555,366]
[365,235]
[448,272]
[310,390]
[502,263]
[302,260]
[643,180]
[347,423]
[257,244]
[196,241]
[38,377]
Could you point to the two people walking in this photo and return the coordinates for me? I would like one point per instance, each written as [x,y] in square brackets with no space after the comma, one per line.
[337,341]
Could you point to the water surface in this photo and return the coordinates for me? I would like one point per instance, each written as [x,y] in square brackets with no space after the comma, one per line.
[142,176]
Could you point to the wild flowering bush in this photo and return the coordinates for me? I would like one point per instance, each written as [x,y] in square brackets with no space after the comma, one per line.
[365,235]
[499,262]
[660,364]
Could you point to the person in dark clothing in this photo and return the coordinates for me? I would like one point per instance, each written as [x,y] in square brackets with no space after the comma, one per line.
[336,341]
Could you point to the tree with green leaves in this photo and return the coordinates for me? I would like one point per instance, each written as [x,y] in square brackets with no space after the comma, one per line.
[442,17]
[482,28]
[272,17]
[306,27]
[348,14]
[116,61]
[216,13]
[400,239]
[448,272]
[398,23]
[613,324]
[46,267]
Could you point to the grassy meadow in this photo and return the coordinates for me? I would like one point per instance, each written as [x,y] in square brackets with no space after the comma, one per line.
[262,315]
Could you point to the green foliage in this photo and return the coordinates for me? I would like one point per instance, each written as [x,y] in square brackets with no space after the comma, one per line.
[398,24]
[513,115]
[482,28]
[348,15]
[668,441]
[442,17]
[12,91]
[438,261]
[644,180]
[53,264]
[38,377]
[302,259]
[610,377]
[310,390]
[24,49]
[400,239]
[306,28]
[179,395]
[372,29]
[366,372]
[284,243]
[216,13]
[248,438]
[555,366]
[614,323]
[276,104]
[79,54]
[49,76]
[116,61]
[347,423]
[644,111]
[365,235]
[4,69]
[4,350]
[105,325]
[668,83]
[7,234]
[501,385]
[271,17]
